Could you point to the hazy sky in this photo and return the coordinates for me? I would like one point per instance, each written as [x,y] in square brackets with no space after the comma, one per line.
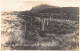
[8,5]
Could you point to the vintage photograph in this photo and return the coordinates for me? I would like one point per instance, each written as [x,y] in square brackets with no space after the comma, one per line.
[39,25]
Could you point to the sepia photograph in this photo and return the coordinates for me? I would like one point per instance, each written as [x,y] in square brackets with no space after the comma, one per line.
[40,25]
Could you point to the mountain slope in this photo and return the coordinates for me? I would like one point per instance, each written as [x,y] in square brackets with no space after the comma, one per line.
[41,7]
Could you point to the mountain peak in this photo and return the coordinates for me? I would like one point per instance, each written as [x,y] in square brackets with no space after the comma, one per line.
[41,7]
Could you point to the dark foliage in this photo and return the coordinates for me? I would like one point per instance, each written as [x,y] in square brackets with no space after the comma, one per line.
[69,13]
[59,28]
[34,16]
[41,7]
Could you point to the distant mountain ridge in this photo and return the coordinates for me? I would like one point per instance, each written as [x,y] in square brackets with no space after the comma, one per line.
[41,7]
[10,13]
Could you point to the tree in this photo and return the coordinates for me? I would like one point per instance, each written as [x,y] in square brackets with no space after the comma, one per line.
[27,16]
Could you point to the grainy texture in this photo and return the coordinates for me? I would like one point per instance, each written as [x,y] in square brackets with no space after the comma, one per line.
[41,33]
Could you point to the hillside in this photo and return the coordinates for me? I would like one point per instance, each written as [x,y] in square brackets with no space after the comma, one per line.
[38,30]
[13,29]
[41,7]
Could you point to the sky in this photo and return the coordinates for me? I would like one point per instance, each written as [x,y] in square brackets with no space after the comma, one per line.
[19,5]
